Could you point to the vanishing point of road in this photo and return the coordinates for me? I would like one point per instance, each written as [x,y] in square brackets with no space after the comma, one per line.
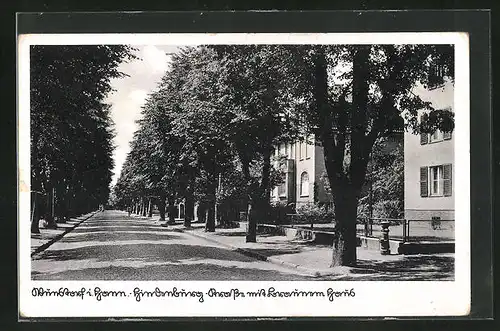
[114,246]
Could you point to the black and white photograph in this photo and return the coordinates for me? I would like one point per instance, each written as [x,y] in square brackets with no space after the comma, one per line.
[276,159]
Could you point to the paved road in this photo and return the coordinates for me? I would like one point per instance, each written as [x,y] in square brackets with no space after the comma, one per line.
[113,246]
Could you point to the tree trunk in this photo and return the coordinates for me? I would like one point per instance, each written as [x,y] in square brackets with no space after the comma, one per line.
[345,242]
[150,208]
[251,236]
[144,207]
[189,211]
[35,216]
[264,204]
[210,219]
[49,215]
[62,205]
[161,208]
[171,209]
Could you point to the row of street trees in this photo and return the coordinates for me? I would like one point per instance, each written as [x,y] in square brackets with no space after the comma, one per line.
[71,129]
[208,132]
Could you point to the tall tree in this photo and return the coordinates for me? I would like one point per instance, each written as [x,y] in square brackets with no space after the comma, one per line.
[255,89]
[356,94]
[71,131]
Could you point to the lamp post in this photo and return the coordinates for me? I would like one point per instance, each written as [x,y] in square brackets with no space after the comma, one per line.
[385,248]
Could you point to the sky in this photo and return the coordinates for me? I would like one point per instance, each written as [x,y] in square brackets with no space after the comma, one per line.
[130,93]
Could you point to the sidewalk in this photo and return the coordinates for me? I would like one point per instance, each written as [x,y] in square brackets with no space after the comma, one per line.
[315,259]
[46,237]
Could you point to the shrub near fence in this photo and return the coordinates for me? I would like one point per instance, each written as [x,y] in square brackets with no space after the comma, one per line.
[304,214]
[314,214]
[279,213]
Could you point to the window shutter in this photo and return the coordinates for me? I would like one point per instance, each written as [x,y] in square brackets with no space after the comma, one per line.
[424,186]
[446,135]
[447,174]
[424,137]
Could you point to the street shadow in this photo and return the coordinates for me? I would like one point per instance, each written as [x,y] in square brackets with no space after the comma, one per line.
[188,272]
[144,252]
[119,228]
[408,268]
[118,236]
[309,243]
[277,251]
[114,223]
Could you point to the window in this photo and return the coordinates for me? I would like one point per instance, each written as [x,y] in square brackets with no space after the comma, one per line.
[302,150]
[283,150]
[436,136]
[435,181]
[282,189]
[304,184]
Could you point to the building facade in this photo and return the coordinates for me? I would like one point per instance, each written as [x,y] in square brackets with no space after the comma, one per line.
[304,167]
[428,165]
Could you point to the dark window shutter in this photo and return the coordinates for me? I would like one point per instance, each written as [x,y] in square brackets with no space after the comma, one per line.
[424,137]
[447,174]
[446,135]
[424,186]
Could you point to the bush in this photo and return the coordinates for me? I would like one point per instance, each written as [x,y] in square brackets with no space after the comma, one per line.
[310,213]
[382,209]
[279,213]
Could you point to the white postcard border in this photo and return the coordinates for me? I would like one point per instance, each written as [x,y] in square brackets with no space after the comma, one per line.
[373,298]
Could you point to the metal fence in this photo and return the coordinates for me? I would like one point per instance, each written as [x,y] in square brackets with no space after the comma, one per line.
[409,230]
[434,230]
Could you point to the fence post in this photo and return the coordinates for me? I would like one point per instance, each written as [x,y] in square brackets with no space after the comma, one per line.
[384,241]
[408,230]
[404,230]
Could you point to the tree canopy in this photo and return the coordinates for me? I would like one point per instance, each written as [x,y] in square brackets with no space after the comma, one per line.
[71,129]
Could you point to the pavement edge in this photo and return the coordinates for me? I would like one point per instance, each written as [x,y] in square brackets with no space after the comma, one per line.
[58,237]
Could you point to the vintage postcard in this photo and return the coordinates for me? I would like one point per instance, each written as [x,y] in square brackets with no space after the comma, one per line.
[244,175]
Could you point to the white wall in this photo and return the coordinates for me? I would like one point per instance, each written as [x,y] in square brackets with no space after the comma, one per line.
[416,156]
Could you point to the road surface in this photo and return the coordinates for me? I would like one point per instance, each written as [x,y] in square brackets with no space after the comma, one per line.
[113,246]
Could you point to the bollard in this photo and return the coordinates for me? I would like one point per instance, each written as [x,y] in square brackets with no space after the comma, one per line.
[384,241]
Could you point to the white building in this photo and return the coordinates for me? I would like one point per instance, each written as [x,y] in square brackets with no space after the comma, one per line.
[429,159]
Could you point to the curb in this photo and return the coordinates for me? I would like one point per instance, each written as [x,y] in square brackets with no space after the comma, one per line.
[247,252]
[46,245]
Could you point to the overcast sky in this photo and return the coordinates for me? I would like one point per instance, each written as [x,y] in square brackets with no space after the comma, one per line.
[131,92]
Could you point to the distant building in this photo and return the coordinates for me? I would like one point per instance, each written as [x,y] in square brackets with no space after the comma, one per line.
[304,167]
[428,164]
